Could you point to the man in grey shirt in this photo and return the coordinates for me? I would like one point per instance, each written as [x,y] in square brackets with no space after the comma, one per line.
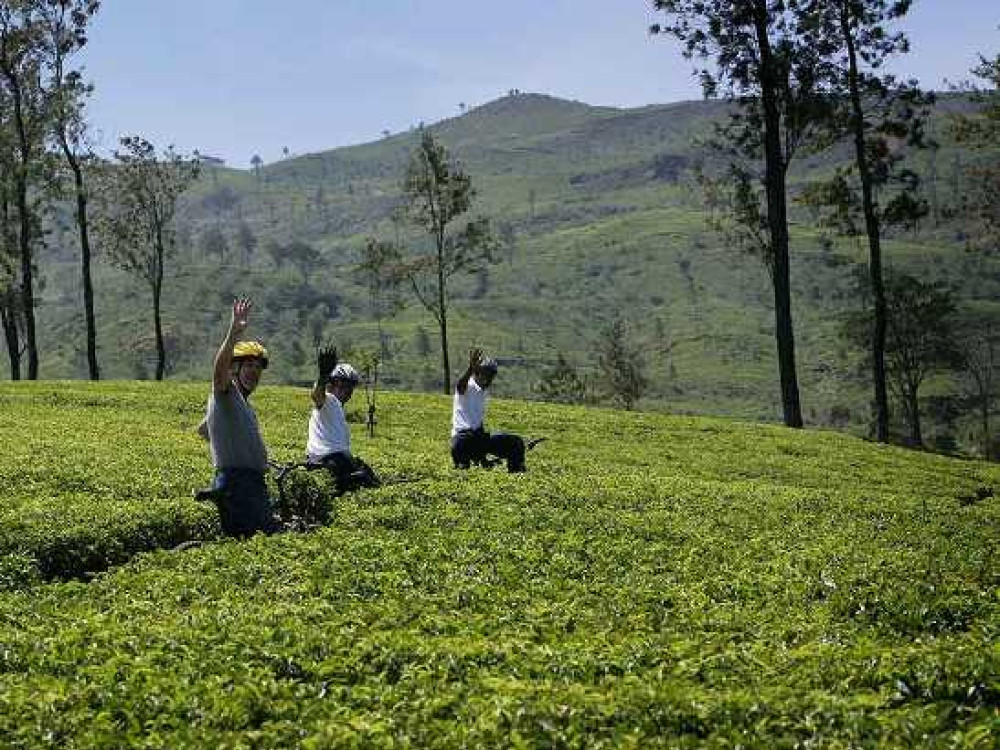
[230,426]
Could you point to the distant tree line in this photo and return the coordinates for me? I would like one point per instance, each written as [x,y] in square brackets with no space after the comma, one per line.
[803,78]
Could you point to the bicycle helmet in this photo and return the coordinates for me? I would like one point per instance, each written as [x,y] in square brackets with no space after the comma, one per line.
[345,373]
[250,350]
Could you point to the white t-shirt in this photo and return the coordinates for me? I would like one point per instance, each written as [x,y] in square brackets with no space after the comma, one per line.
[328,431]
[468,409]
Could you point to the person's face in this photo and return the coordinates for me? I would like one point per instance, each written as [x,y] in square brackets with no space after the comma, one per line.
[341,389]
[485,378]
[248,374]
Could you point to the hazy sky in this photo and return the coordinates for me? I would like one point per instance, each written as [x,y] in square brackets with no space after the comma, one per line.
[237,77]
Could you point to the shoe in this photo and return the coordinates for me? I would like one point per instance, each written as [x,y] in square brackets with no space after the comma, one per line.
[208,495]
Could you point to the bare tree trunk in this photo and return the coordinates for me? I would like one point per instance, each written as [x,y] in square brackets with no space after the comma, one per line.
[986,426]
[443,316]
[8,309]
[88,287]
[24,236]
[8,317]
[913,407]
[778,225]
[873,230]
[161,351]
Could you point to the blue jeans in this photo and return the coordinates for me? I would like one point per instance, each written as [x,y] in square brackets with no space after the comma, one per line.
[473,446]
[244,506]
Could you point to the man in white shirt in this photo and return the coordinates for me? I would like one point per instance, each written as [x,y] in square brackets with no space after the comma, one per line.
[329,441]
[470,442]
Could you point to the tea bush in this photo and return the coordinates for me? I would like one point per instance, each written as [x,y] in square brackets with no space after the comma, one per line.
[652,581]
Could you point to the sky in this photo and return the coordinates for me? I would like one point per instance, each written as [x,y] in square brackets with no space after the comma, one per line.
[234,78]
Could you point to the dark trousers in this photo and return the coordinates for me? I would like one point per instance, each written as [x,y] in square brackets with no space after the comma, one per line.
[473,446]
[349,472]
[244,506]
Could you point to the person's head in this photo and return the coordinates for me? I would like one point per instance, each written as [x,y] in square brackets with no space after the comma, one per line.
[485,372]
[249,362]
[342,381]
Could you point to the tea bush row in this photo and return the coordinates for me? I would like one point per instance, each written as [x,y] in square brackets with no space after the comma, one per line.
[652,581]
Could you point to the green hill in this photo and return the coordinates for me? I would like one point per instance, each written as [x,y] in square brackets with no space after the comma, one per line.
[606,220]
[653,581]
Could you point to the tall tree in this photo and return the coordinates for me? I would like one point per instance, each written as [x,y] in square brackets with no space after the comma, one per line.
[65,23]
[876,113]
[10,305]
[752,52]
[140,192]
[438,193]
[21,62]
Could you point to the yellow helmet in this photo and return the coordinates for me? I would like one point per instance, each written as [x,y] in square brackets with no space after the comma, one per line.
[250,350]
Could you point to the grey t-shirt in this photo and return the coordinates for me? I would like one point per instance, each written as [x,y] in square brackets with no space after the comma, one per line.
[233,432]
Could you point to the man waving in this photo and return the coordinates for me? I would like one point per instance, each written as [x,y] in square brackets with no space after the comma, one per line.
[470,442]
[230,426]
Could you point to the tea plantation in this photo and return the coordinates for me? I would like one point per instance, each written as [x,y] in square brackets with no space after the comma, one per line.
[653,581]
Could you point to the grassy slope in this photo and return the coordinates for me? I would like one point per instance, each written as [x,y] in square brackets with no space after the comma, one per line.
[653,580]
[601,236]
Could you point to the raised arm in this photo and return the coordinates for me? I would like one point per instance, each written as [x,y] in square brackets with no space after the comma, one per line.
[221,378]
[326,360]
[475,357]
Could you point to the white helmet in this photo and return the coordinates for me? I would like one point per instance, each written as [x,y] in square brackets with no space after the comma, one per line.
[346,373]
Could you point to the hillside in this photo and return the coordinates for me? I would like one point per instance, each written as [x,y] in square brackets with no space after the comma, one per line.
[653,581]
[605,219]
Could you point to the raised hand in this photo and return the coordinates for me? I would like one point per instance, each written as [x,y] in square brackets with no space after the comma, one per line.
[475,357]
[241,314]
[326,360]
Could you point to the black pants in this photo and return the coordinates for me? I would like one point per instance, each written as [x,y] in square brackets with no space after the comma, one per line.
[349,472]
[244,506]
[473,446]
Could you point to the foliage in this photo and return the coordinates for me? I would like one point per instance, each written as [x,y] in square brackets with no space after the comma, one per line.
[302,255]
[379,272]
[980,130]
[920,339]
[699,583]
[307,499]
[621,364]
[626,234]
[979,364]
[562,384]
[735,212]
[213,243]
